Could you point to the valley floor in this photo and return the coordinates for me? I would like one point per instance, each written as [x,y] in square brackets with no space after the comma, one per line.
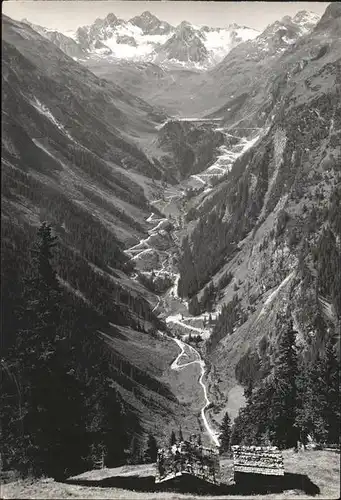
[305,471]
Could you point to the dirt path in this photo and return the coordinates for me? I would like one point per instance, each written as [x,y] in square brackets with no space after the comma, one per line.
[185,349]
[198,360]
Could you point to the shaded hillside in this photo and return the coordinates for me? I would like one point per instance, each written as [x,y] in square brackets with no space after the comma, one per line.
[62,126]
[187,147]
[269,223]
[67,158]
[65,43]
[115,115]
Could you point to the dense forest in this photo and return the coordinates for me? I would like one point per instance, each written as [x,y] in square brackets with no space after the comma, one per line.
[231,313]
[49,340]
[300,397]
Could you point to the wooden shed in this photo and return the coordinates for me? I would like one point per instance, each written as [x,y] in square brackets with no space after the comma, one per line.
[188,458]
[257,460]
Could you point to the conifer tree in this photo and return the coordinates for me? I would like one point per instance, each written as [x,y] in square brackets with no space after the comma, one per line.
[308,416]
[225,433]
[319,396]
[135,451]
[181,438]
[194,307]
[55,396]
[331,393]
[172,439]
[248,391]
[151,451]
[37,348]
[282,425]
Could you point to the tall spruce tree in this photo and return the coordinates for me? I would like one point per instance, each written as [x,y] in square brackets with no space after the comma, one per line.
[135,451]
[319,396]
[53,420]
[194,306]
[172,439]
[151,451]
[56,403]
[283,426]
[248,390]
[331,392]
[188,282]
[225,433]
[36,347]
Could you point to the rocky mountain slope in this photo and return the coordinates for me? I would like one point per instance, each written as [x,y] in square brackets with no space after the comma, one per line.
[185,46]
[269,223]
[259,61]
[239,78]
[150,24]
[139,77]
[65,43]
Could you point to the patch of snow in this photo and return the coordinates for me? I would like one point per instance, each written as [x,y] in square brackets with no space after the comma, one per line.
[145,44]
[247,33]
[73,290]
[138,256]
[287,40]
[37,143]
[174,289]
[221,41]
[198,179]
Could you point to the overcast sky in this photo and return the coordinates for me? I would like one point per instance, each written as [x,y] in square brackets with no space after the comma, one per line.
[68,15]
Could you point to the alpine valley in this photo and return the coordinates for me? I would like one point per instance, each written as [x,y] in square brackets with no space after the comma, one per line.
[171,242]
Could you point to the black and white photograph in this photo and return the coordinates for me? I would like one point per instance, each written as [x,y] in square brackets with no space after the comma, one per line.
[170,250]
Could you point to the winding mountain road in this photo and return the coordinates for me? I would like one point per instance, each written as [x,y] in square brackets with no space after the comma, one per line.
[176,366]
[142,247]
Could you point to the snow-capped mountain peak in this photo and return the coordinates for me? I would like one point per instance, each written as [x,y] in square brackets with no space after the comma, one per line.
[306,19]
[278,36]
[145,37]
[150,24]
